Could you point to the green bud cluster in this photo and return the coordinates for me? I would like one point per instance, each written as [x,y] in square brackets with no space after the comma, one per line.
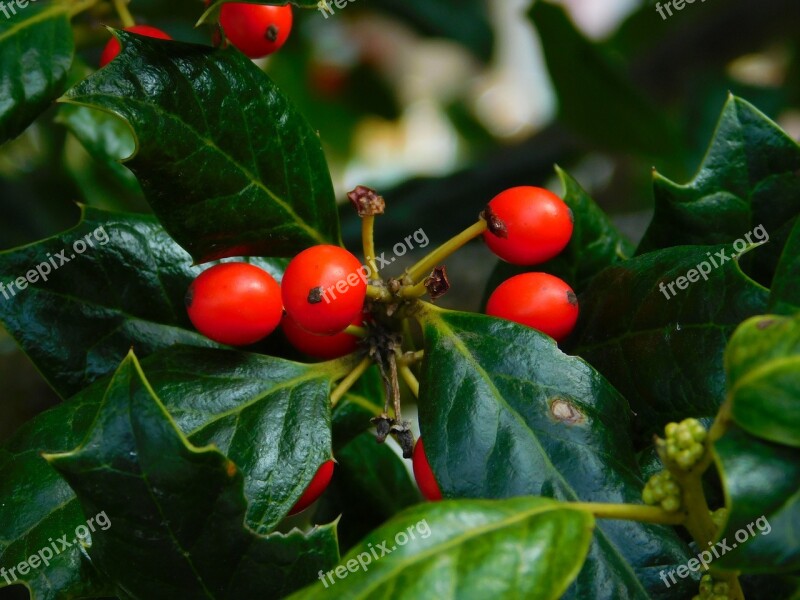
[663,490]
[684,442]
[712,590]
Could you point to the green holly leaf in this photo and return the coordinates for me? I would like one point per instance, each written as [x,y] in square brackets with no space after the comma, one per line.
[763,366]
[748,178]
[125,289]
[36,48]
[618,117]
[784,297]
[184,506]
[521,418]
[371,485]
[228,165]
[762,483]
[595,243]
[270,416]
[107,138]
[456,549]
[664,352]
[39,507]
[239,402]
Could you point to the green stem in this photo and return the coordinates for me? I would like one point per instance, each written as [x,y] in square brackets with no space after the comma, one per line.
[720,424]
[414,291]
[693,501]
[356,331]
[379,294]
[411,380]
[426,264]
[735,591]
[121,7]
[630,512]
[409,358]
[368,406]
[346,383]
[368,242]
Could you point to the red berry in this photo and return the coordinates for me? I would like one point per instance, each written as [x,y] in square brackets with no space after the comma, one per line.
[538,300]
[324,289]
[235,303]
[424,475]
[326,347]
[532,225]
[315,488]
[113,47]
[256,30]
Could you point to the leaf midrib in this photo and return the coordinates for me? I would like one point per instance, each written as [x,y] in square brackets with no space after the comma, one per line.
[35,19]
[464,538]
[762,371]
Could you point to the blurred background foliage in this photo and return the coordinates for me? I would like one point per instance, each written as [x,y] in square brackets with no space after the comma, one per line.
[440,104]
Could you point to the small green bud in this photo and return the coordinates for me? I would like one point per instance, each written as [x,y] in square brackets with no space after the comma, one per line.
[684,438]
[671,488]
[671,504]
[685,459]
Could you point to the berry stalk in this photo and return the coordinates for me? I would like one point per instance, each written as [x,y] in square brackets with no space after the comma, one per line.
[79,6]
[356,331]
[346,383]
[368,242]
[414,291]
[121,6]
[379,294]
[423,268]
[408,376]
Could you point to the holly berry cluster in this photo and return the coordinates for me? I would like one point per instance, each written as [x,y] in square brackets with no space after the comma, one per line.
[662,489]
[712,590]
[256,30]
[329,305]
[240,304]
[684,442]
[528,226]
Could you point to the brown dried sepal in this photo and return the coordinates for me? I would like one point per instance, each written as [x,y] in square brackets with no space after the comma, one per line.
[495,224]
[437,283]
[367,201]
[404,438]
[383,426]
